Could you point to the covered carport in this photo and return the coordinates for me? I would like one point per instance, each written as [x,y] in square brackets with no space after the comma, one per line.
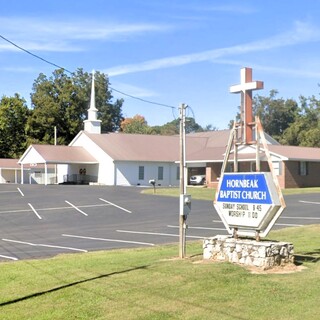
[10,171]
[57,163]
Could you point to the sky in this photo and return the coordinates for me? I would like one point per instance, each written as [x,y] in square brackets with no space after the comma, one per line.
[166,51]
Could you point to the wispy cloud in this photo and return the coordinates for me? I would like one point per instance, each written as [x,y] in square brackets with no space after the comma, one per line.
[53,35]
[19,69]
[135,91]
[301,33]
[242,9]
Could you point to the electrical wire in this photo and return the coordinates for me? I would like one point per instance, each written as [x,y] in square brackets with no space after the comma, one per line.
[72,73]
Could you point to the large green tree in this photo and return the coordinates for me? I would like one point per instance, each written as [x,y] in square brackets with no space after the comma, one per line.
[13,118]
[305,131]
[276,114]
[62,101]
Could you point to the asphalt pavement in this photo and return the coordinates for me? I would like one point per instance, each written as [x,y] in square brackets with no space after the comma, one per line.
[39,221]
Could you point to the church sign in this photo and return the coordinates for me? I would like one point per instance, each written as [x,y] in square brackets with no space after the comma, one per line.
[248,202]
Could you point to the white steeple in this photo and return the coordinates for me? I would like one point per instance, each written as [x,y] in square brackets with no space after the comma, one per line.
[92,124]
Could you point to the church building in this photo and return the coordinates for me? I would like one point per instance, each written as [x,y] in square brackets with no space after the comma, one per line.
[118,159]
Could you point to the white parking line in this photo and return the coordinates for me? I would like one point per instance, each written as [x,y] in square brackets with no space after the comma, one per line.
[289,224]
[7,257]
[8,191]
[199,228]
[73,206]
[157,234]
[44,245]
[115,205]
[56,208]
[20,192]
[302,218]
[34,210]
[309,202]
[108,240]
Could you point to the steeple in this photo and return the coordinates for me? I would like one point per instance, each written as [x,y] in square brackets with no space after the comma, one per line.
[92,124]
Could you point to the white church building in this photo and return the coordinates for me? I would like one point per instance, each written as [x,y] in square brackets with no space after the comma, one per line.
[109,159]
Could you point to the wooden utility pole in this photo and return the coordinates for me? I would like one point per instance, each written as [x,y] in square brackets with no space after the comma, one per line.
[182,216]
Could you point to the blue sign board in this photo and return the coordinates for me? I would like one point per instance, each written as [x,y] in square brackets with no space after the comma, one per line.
[244,188]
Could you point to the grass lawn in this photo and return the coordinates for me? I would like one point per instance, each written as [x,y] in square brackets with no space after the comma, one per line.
[153,284]
[203,193]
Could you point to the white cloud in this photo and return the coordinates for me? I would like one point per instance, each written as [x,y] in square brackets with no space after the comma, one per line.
[301,33]
[135,91]
[54,35]
[242,9]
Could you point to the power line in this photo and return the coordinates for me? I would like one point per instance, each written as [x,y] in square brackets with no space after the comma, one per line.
[32,54]
[72,73]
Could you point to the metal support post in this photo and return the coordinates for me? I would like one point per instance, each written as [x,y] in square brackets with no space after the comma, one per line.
[182,216]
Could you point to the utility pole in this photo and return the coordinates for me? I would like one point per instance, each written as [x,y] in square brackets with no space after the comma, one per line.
[55,143]
[183,187]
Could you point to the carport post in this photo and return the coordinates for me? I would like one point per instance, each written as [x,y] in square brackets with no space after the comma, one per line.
[45,174]
[21,173]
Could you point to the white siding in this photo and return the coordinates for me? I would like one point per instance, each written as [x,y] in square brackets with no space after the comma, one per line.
[127,173]
[106,166]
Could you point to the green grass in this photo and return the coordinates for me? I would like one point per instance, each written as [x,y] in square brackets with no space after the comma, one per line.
[153,284]
[202,193]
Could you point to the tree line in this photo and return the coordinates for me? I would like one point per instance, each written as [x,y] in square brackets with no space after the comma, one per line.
[62,100]
[288,121]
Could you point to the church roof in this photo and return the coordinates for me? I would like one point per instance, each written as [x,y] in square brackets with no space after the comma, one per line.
[9,163]
[141,147]
[200,147]
[42,153]
[296,153]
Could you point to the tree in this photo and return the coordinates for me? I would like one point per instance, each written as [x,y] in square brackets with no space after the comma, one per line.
[137,124]
[62,101]
[13,118]
[276,115]
[173,127]
[305,131]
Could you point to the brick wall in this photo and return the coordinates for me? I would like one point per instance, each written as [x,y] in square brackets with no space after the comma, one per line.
[289,178]
[213,171]
[294,180]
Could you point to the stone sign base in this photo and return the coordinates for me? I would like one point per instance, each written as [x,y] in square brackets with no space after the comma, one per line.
[264,254]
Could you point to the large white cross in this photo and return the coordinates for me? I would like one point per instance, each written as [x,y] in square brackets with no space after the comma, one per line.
[246,87]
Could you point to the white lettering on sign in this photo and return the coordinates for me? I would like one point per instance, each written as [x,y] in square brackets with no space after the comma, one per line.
[245,183]
[230,194]
[254,195]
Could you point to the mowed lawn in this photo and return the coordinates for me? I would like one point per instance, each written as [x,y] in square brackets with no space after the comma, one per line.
[154,284]
[203,193]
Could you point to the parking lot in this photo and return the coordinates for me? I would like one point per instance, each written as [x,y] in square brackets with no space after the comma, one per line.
[39,221]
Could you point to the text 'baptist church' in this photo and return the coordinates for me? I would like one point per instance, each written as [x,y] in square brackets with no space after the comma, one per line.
[243,194]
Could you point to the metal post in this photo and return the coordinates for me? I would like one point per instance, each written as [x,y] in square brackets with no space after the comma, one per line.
[182,217]
[55,166]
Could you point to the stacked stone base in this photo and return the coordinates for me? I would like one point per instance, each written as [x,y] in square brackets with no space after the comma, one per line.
[264,254]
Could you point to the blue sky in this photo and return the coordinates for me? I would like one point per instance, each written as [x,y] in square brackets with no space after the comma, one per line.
[167,51]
